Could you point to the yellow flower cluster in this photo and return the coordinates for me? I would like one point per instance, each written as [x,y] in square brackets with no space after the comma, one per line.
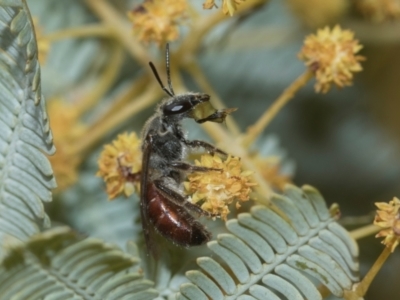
[331,56]
[379,10]
[215,190]
[158,20]
[66,128]
[120,164]
[228,6]
[388,217]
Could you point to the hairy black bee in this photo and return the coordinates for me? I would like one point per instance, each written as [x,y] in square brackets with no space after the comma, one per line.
[164,207]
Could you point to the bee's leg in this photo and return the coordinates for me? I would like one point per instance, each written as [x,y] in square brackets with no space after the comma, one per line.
[179,199]
[210,148]
[180,165]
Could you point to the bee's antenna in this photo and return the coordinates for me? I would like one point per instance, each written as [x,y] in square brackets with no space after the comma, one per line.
[159,79]
[170,92]
[168,70]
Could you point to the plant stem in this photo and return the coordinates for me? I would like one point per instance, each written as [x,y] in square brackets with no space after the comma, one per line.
[121,29]
[362,288]
[95,134]
[364,231]
[105,82]
[203,25]
[80,32]
[254,131]
[129,93]
[194,70]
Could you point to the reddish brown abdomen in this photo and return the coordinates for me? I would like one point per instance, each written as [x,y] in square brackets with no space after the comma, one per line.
[173,221]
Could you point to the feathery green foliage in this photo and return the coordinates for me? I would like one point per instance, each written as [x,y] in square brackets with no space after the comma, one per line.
[265,257]
[26,177]
[60,264]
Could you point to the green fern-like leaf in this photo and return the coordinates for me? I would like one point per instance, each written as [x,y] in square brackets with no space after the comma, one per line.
[265,257]
[59,264]
[26,177]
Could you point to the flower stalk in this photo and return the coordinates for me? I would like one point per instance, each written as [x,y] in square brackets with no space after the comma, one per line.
[202,26]
[194,70]
[364,231]
[97,30]
[255,130]
[95,134]
[127,95]
[367,280]
[121,29]
[105,81]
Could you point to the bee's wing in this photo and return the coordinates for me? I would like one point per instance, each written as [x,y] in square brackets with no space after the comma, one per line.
[148,230]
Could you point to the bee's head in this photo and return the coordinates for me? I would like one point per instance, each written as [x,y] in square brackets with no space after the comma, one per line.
[193,105]
[181,106]
[190,105]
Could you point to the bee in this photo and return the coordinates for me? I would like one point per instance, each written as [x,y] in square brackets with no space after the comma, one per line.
[164,207]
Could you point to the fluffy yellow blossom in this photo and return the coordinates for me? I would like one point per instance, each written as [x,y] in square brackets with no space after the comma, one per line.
[43,44]
[388,217]
[228,6]
[331,56]
[120,164]
[215,190]
[158,20]
[66,128]
[379,10]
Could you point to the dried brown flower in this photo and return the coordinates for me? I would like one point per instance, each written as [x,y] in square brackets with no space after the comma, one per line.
[158,20]
[215,190]
[331,56]
[120,164]
[379,10]
[388,217]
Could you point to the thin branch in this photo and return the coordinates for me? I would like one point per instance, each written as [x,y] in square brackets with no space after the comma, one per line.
[106,80]
[121,29]
[89,140]
[367,280]
[194,70]
[202,26]
[254,131]
[96,30]
[364,231]
[121,100]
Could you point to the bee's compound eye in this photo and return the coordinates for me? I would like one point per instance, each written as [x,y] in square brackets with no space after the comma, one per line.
[177,107]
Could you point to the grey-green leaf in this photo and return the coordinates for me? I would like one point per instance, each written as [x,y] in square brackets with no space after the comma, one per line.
[26,177]
[37,270]
[310,244]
